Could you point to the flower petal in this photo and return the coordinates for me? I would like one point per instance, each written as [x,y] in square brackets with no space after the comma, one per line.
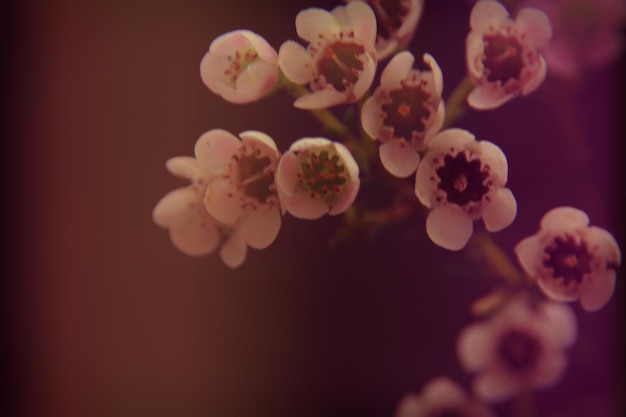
[397,68]
[363,22]
[194,234]
[320,99]
[487,97]
[528,253]
[604,245]
[442,391]
[346,156]
[313,23]
[346,198]
[449,227]
[233,252]
[371,118]
[287,174]
[500,211]
[437,74]
[399,158]
[172,204]
[554,290]
[304,207]
[222,201]
[366,77]
[535,26]
[263,140]
[306,143]
[254,82]
[451,138]
[559,324]
[214,150]
[475,48]
[550,370]
[537,79]
[564,218]
[186,167]
[495,386]
[486,13]
[292,60]
[493,156]
[261,227]
[264,50]
[474,347]
[598,292]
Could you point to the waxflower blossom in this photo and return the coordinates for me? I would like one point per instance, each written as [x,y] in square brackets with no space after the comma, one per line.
[570,259]
[317,177]
[441,397]
[521,347]
[586,34]
[339,62]
[503,56]
[396,22]
[240,66]
[461,180]
[404,112]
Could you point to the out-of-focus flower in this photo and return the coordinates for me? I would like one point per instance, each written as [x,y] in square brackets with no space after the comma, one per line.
[396,22]
[441,397]
[240,66]
[503,56]
[404,112]
[586,34]
[340,61]
[519,348]
[570,259]
[461,180]
[317,177]
[232,194]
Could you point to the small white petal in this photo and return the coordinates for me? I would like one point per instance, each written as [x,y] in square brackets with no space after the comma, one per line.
[549,371]
[437,74]
[214,150]
[303,206]
[564,218]
[604,245]
[475,48]
[537,79]
[451,138]
[186,167]
[292,60]
[222,201]
[371,119]
[493,156]
[536,26]
[172,204]
[424,185]
[500,211]
[487,97]
[442,391]
[474,347]
[528,253]
[193,234]
[399,158]
[264,50]
[233,252]
[486,13]
[313,22]
[495,386]
[287,174]
[449,227]
[559,324]
[227,43]
[309,143]
[261,227]
[254,82]
[598,292]
[352,168]
[436,123]
[263,141]
[397,68]
[363,22]
[346,198]
[320,99]
[411,405]
[366,77]
[212,69]
[554,290]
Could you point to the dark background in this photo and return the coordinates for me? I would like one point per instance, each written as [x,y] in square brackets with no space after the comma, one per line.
[103,317]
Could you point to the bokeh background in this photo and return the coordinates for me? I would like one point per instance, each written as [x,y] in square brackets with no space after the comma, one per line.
[104,317]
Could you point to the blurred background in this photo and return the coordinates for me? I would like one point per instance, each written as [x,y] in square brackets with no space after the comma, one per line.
[104,317]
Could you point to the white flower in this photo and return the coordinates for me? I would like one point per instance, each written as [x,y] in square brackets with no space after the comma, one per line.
[519,348]
[317,177]
[441,397]
[503,56]
[340,61]
[232,195]
[570,259]
[461,180]
[396,22]
[404,112]
[240,66]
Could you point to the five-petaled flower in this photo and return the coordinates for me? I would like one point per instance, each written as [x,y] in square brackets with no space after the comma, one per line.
[441,397]
[503,56]
[519,348]
[396,21]
[340,61]
[404,112]
[240,66]
[317,177]
[570,259]
[461,180]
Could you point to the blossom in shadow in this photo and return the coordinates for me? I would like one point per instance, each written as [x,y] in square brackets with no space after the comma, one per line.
[404,112]
[570,259]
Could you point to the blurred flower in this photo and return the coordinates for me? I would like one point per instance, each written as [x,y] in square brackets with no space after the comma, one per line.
[232,194]
[240,66]
[340,61]
[461,180]
[586,34]
[396,22]
[571,259]
[404,112]
[441,397]
[519,348]
[316,177]
[503,57]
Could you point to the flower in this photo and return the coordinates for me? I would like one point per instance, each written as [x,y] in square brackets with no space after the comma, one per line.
[503,58]
[570,259]
[586,34]
[518,348]
[461,180]
[240,66]
[441,397]
[232,194]
[340,61]
[396,22]
[404,112]
[317,177]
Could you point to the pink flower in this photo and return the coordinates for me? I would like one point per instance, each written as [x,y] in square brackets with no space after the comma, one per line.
[519,348]
[570,259]
[462,180]
[586,34]
[340,60]
[441,397]
[232,195]
[503,56]
[404,112]
[317,177]
[240,66]
[396,22]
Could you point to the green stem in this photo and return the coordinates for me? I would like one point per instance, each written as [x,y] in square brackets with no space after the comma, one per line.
[455,101]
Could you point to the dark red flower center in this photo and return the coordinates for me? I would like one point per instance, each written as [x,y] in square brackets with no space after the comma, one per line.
[503,58]
[568,259]
[340,64]
[519,350]
[463,180]
[407,111]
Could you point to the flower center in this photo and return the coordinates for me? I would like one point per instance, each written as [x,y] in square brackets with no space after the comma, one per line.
[253,174]
[340,64]
[321,174]
[238,62]
[463,181]
[568,259]
[519,351]
[407,111]
[390,15]
[503,58]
